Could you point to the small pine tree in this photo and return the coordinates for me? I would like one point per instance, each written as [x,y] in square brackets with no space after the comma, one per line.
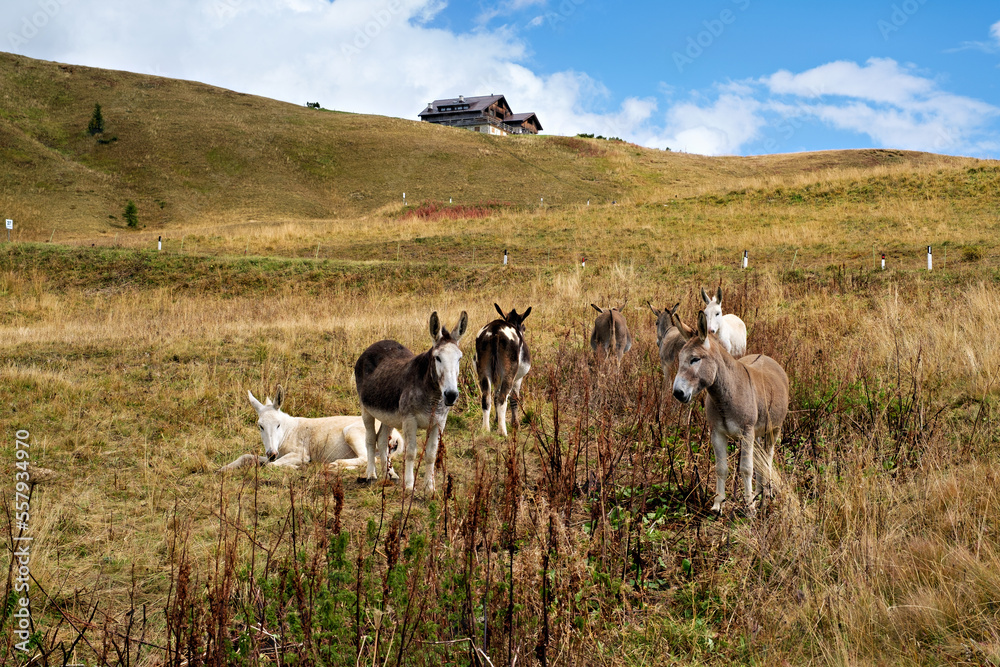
[96,124]
[131,214]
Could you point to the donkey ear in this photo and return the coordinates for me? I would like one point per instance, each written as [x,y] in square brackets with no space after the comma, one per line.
[704,296]
[502,314]
[596,308]
[674,309]
[434,325]
[702,325]
[655,311]
[463,324]
[257,405]
[526,313]
[718,295]
[684,331]
[279,398]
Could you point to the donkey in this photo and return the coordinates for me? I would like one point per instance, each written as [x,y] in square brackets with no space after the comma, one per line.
[502,361]
[295,441]
[747,398]
[671,334]
[730,329]
[408,392]
[610,332]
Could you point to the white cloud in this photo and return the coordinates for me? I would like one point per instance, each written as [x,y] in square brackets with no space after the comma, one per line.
[889,103]
[356,55]
[505,8]
[385,57]
[990,46]
[881,80]
[720,128]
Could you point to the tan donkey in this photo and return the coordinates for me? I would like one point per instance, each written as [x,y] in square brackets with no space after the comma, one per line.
[611,334]
[747,399]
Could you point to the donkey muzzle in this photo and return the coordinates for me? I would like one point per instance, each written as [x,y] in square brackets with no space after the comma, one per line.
[681,395]
[450,397]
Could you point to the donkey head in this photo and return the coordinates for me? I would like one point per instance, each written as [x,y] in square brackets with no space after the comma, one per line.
[512,318]
[697,362]
[664,320]
[272,422]
[713,309]
[446,354]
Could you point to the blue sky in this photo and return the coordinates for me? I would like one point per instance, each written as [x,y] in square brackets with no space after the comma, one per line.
[714,77]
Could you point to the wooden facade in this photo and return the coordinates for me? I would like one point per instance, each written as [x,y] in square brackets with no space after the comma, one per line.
[489,114]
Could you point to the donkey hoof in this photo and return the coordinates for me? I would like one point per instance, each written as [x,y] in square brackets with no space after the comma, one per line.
[366,481]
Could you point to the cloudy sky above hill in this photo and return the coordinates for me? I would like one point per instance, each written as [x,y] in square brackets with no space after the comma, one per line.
[712,77]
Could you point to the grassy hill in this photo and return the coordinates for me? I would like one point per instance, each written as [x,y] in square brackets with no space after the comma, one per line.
[192,154]
[584,537]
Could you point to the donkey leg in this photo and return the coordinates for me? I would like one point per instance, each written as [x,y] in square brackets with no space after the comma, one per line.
[720,445]
[486,390]
[383,447]
[430,455]
[410,457]
[747,441]
[501,397]
[244,461]
[292,460]
[502,414]
[369,422]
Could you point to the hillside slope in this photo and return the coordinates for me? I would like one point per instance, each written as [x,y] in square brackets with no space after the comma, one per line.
[188,153]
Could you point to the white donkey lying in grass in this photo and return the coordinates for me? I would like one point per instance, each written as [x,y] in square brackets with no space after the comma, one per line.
[295,441]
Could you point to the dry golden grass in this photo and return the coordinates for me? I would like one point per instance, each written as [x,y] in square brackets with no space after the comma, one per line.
[135,393]
[130,368]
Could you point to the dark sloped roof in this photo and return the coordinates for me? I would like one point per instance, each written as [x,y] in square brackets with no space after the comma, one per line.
[517,118]
[469,111]
[475,103]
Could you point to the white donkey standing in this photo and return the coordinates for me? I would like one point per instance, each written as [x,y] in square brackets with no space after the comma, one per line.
[410,392]
[730,329]
[295,441]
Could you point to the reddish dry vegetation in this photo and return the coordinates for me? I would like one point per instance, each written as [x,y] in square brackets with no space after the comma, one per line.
[431,210]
